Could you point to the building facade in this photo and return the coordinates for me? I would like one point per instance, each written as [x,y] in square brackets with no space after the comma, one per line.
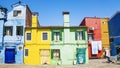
[49,44]
[13,36]
[98,36]
[37,43]
[114,33]
[3,19]
[105,36]
[68,43]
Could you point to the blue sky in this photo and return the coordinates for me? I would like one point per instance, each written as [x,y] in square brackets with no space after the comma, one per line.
[50,11]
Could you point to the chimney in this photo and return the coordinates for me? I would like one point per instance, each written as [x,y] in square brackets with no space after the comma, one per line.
[35,22]
[66,19]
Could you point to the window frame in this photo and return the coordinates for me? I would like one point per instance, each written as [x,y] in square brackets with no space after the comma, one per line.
[43,36]
[30,37]
[53,54]
[55,36]
[11,30]
[79,35]
[17,13]
[90,35]
[21,34]
[25,52]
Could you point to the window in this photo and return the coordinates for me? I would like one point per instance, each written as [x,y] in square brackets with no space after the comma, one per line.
[16,13]
[26,52]
[55,54]
[90,37]
[79,35]
[103,22]
[44,36]
[28,36]
[19,30]
[8,30]
[56,36]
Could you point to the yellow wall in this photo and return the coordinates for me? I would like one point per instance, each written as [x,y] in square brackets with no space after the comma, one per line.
[34,21]
[36,44]
[105,33]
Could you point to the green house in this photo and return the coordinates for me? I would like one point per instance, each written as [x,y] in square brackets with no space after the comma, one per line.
[69,43]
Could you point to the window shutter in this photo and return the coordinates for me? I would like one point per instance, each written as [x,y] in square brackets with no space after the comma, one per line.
[52,35]
[75,35]
[60,35]
[51,53]
[83,35]
[59,53]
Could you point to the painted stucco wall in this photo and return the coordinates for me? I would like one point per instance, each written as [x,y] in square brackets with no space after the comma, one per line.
[105,33]
[35,45]
[114,32]
[94,22]
[15,41]
[69,45]
[3,18]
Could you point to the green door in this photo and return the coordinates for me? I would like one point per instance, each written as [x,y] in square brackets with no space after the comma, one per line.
[80,55]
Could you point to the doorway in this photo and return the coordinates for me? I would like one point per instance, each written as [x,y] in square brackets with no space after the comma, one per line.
[9,55]
[45,56]
[80,55]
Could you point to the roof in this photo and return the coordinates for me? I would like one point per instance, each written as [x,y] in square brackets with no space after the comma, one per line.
[114,15]
[17,4]
[92,18]
[3,8]
[59,27]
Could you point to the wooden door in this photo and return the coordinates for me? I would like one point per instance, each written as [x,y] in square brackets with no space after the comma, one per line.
[45,56]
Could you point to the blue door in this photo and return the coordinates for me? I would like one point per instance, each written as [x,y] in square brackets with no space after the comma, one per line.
[9,55]
[80,55]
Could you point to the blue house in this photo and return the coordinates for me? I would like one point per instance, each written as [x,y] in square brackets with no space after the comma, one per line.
[3,15]
[13,33]
[114,33]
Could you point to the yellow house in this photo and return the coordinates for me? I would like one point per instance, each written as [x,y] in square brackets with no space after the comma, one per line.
[105,34]
[37,43]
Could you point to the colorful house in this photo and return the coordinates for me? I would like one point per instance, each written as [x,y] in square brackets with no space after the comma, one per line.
[105,35]
[49,44]
[3,18]
[68,43]
[114,33]
[37,43]
[13,42]
[98,35]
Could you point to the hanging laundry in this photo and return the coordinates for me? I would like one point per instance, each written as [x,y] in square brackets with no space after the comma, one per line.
[94,47]
[99,44]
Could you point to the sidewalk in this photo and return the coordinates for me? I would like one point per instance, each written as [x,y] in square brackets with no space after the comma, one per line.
[93,63]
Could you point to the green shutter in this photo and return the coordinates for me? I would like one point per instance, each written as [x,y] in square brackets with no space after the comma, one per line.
[60,35]
[51,53]
[83,35]
[52,35]
[75,35]
[59,53]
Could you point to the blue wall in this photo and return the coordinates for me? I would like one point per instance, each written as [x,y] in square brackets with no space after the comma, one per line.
[15,41]
[114,32]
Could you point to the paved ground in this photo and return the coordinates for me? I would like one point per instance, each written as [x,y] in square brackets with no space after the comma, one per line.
[94,63]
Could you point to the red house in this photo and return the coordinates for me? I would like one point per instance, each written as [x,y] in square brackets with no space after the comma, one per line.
[94,34]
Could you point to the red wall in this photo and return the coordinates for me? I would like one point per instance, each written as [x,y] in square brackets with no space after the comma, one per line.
[93,22]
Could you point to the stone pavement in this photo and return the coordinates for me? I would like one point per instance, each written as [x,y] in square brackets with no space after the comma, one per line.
[93,63]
